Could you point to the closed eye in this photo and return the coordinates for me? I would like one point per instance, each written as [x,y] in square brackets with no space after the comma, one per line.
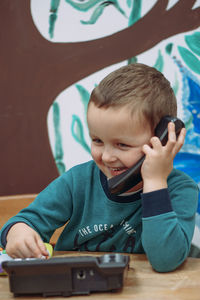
[97,141]
[121,145]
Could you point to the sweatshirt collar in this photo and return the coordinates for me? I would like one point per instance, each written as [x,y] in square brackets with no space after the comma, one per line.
[122,198]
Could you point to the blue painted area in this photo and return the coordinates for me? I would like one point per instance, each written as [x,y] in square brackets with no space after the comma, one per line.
[190,164]
[188,160]
[194,103]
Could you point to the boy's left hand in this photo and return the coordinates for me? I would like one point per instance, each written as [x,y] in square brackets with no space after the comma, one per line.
[158,162]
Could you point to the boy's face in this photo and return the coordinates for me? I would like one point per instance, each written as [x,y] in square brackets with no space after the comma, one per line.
[117,138]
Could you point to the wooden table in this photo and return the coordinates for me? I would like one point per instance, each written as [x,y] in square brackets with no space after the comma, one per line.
[141,283]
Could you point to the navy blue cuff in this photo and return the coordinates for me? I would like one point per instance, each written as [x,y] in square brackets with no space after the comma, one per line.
[4,234]
[156,203]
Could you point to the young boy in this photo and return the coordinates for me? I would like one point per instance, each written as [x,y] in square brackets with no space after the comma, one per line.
[155,217]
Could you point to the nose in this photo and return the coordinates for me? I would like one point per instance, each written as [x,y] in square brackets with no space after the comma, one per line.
[108,155]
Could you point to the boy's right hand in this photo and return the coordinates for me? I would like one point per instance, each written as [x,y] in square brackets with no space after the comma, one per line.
[24,242]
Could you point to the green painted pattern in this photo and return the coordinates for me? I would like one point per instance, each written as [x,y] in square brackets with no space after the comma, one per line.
[159,64]
[58,139]
[53,16]
[175,86]
[135,13]
[193,42]
[169,48]
[78,132]
[190,59]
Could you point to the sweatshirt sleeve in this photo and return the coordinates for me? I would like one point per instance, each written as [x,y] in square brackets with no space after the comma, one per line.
[50,210]
[168,223]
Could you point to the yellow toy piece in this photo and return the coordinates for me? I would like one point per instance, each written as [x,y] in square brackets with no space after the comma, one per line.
[49,249]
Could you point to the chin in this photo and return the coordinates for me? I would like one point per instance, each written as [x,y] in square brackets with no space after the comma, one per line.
[108,175]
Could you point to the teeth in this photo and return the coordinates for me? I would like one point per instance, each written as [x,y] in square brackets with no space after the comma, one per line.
[116,169]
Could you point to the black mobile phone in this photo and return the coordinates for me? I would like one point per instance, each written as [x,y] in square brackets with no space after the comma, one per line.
[123,182]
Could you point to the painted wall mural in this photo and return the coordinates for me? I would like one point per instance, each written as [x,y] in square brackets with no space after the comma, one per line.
[54,52]
[177,57]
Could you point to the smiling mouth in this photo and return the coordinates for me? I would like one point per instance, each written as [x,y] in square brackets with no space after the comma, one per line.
[117,171]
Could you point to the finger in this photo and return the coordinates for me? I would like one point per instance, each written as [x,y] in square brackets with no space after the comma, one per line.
[19,251]
[146,149]
[156,143]
[42,247]
[181,137]
[33,247]
[180,140]
[171,132]
[23,252]
[171,137]
[14,253]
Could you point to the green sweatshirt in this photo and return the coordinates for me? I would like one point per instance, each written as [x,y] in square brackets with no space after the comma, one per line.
[160,223]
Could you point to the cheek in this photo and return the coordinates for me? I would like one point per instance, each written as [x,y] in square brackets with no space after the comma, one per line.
[96,154]
[132,157]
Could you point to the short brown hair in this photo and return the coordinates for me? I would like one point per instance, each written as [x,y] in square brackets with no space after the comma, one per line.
[144,89]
